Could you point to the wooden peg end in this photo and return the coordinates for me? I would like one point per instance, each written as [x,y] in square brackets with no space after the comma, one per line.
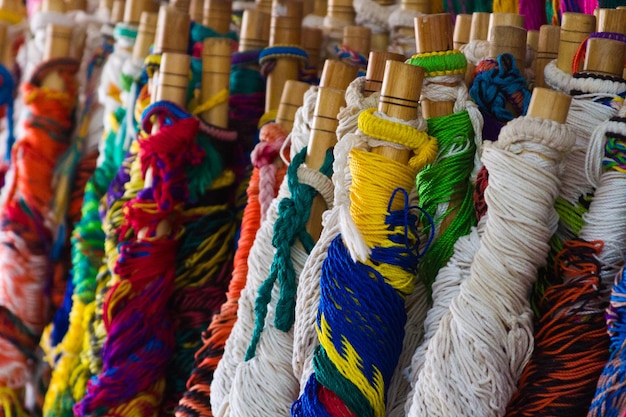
[341,10]
[376,70]
[286,23]
[58,42]
[255,30]
[5,51]
[337,74]
[292,9]
[145,34]
[291,99]
[532,39]
[547,50]
[134,8]
[312,39]
[419,6]
[357,38]
[216,58]
[480,26]
[549,104]
[400,99]
[511,39]
[196,10]
[462,28]
[596,61]
[217,15]
[323,136]
[611,20]
[264,6]
[184,6]
[575,27]
[170,17]
[76,5]
[433,33]
[173,78]
[504,19]
[58,6]
[117,11]
[216,55]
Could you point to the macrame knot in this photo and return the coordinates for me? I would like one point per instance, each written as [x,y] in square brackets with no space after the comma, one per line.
[267,150]
[290,225]
[498,83]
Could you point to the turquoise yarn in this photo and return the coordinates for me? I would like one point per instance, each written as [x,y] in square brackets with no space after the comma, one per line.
[293,214]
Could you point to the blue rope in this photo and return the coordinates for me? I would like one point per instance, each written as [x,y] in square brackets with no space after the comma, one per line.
[7,88]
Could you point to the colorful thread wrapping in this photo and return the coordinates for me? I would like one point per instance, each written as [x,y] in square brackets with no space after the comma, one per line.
[262,189]
[442,63]
[140,332]
[359,344]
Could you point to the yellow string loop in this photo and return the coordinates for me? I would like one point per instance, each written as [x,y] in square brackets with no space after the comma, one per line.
[423,146]
[267,117]
[215,100]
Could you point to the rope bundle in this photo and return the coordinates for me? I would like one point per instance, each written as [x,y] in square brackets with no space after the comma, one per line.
[225,391]
[262,188]
[27,222]
[359,345]
[136,305]
[483,341]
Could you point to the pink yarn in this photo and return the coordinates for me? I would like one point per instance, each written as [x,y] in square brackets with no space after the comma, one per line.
[534,12]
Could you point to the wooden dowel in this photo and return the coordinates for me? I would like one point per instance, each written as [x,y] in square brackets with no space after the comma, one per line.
[145,35]
[547,50]
[337,75]
[400,100]
[462,28]
[341,10]
[196,10]
[575,27]
[5,50]
[504,19]
[291,99]
[509,39]
[117,11]
[58,41]
[549,104]
[320,7]
[532,39]
[323,137]
[134,9]
[612,20]
[264,6]
[596,61]
[312,39]
[173,79]
[169,17]
[480,26]
[433,33]
[286,29]
[216,57]
[357,38]
[255,30]
[58,6]
[376,70]
[106,5]
[76,5]
[217,15]
[420,6]
[184,6]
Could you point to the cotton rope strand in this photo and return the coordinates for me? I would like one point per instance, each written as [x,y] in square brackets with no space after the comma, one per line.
[266,177]
[361,341]
[571,345]
[270,347]
[308,296]
[27,223]
[485,339]
[259,262]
